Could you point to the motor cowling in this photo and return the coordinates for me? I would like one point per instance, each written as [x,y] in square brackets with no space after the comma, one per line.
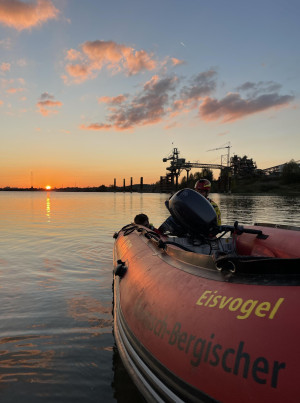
[171,226]
[193,212]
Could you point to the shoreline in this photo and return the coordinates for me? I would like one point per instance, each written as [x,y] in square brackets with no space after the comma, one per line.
[251,186]
[233,193]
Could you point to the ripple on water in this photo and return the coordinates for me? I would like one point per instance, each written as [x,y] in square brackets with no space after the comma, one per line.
[56,341]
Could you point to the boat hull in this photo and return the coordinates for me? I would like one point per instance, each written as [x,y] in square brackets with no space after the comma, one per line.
[280,243]
[190,333]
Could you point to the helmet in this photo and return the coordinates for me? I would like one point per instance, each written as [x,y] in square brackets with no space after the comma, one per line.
[203,185]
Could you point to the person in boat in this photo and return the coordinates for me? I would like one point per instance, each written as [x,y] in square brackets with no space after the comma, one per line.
[203,187]
[142,219]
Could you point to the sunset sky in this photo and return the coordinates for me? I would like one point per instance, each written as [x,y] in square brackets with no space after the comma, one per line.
[95,90]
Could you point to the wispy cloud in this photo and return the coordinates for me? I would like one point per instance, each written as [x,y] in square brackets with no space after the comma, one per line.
[93,56]
[199,86]
[22,15]
[223,133]
[177,62]
[4,67]
[262,87]
[5,43]
[13,86]
[14,90]
[119,99]
[163,98]
[46,96]
[233,107]
[22,62]
[191,94]
[47,104]
[148,107]
[96,126]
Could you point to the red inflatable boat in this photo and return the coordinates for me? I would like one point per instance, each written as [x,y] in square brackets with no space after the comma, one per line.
[202,317]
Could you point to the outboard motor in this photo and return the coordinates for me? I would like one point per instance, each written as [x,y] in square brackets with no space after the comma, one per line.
[170,226]
[193,213]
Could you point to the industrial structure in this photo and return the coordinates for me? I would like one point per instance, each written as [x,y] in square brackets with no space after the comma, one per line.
[276,169]
[177,165]
[231,168]
[234,167]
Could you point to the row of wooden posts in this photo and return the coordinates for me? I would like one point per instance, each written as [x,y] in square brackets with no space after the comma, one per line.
[130,188]
[167,184]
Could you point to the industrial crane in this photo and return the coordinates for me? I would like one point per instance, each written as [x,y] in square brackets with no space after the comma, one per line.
[228,152]
[178,164]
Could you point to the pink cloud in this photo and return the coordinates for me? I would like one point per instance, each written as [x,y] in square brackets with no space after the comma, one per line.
[46,104]
[148,107]
[78,70]
[233,107]
[192,93]
[73,54]
[177,62]
[13,90]
[13,86]
[96,126]
[164,98]
[96,55]
[21,81]
[119,99]
[137,61]
[20,15]
[105,51]
[5,67]
[1,102]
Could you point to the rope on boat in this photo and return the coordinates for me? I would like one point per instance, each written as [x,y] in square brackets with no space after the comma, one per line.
[127,229]
[232,263]
[149,234]
[162,245]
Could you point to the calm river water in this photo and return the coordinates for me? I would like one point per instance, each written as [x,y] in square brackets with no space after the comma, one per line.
[56,342]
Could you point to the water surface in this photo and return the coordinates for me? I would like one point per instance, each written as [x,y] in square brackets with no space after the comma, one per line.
[56,341]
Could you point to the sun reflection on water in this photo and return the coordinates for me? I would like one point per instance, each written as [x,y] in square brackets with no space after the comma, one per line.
[48,208]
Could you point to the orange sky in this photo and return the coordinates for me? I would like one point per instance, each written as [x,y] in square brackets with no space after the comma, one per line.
[89,91]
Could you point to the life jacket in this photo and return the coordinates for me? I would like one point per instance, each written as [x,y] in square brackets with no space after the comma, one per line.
[217,210]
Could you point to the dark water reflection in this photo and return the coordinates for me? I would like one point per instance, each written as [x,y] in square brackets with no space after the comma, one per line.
[124,390]
[56,341]
[250,209]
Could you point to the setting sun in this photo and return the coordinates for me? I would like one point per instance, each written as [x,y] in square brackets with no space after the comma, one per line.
[48,187]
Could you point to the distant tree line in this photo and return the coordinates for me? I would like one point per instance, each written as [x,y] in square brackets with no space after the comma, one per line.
[245,171]
[194,177]
[290,173]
